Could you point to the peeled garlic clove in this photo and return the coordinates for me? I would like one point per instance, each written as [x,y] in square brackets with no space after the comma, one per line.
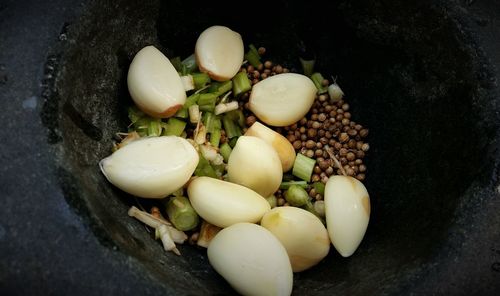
[347,210]
[251,260]
[282,99]
[154,84]
[223,203]
[219,52]
[302,234]
[281,144]
[151,167]
[255,164]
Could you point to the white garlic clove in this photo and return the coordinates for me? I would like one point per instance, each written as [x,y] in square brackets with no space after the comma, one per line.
[219,52]
[282,99]
[302,234]
[151,167]
[255,164]
[347,210]
[283,147]
[154,84]
[223,203]
[251,260]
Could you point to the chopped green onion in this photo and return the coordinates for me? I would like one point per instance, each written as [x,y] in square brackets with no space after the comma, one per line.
[190,64]
[200,80]
[175,127]
[192,100]
[241,84]
[237,116]
[176,62]
[286,184]
[232,130]
[215,137]
[224,87]
[154,128]
[252,56]
[232,142]
[307,66]
[319,187]
[204,168]
[303,167]
[225,150]
[310,208]
[194,113]
[187,82]
[182,113]
[207,102]
[272,200]
[296,196]
[134,114]
[226,107]
[317,78]
[211,122]
[200,134]
[181,213]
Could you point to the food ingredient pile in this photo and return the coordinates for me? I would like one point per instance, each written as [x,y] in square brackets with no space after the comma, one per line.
[259,165]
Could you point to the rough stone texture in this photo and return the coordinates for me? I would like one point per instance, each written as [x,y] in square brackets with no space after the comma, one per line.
[423,77]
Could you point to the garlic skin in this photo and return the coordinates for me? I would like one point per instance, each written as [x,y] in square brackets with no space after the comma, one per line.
[252,260]
[302,234]
[151,167]
[282,99]
[223,203]
[347,210]
[154,84]
[255,164]
[283,147]
[219,52]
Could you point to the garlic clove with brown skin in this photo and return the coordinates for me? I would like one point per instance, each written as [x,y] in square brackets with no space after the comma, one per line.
[154,84]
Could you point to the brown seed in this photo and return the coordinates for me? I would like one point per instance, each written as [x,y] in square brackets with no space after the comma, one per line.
[321,133]
[319,145]
[309,153]
[260,67]
[309,123]
[324,164]
[358,161]
[345,128]
[310,144]
[261,50]
[360,154]
[352,132]
[268,64]
[358,127]
[345,107]
[359,144]
[333,113]
[286,70]
[317,169]
[293,126]
[322,117]
[250,120]
[291,138]
[323,140]
[349,171]
[331,142]
[318,196]
[343,152]
[337,146]
[263,76]
[250,69]
[362,168]
[351,144]
[303,137]
[267,71]
[328,135]
[340,111]
[311,133]
[303,144]
[344,137]
[318,152]
[256,74]
[297,144]
[350,156]
[315,178]
[312,192]
[363,133]
[328,108]
[322,98]
[281,201]
[303,121]
[325,82]
[347,115]
[247,105]
[314,116]
[345,121]
[316,125]
[279,69]
[329,171]
[339,117]
[324,179]
[365,147]
[296,133]
[255,81]
[360,177]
